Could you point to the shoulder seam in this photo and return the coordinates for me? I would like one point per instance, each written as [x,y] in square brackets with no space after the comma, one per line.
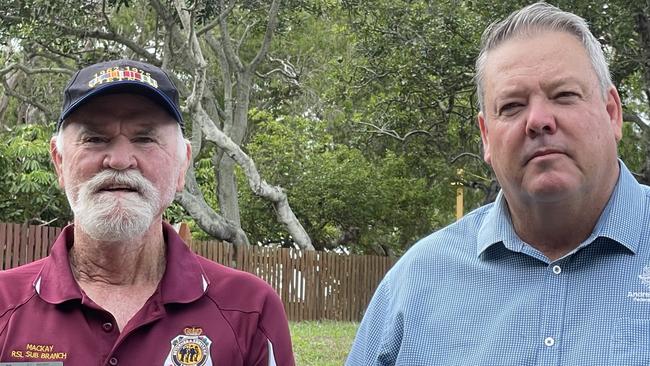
[14,308]
[227,320]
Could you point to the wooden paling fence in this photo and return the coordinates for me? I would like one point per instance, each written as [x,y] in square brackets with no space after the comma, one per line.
[22,244]
[313,285]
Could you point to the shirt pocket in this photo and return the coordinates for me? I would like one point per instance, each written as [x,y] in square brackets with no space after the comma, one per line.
[630,342]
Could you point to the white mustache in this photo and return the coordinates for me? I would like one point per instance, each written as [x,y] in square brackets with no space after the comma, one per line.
[116,178]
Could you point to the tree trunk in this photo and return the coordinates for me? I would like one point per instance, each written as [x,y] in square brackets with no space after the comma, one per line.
[227,188]
[12,79]
[212,223]
[235,127]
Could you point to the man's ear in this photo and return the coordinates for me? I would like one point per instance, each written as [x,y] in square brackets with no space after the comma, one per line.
[184,165]
[57,160]
[484,137]
[615,112]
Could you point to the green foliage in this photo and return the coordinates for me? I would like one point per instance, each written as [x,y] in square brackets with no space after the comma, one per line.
[341,197]
[630,149]
[404,76]
[30,191]
[325,343]
[366,137]
[412,70]
[405,92]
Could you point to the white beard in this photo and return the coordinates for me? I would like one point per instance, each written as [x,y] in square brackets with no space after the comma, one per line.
[105,216]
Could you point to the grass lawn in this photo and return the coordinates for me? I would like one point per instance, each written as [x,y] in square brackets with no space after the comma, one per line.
[325,343]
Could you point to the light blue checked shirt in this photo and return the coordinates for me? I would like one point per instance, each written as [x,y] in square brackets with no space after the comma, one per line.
[475,294]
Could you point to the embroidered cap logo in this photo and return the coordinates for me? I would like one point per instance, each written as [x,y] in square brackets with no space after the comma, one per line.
[122,73]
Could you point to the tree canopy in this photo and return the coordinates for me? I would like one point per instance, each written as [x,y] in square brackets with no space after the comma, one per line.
[319,123]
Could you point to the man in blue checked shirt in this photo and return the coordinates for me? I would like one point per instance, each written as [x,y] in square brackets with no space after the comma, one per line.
[557,270]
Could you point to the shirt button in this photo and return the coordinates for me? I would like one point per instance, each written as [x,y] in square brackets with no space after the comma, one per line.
[549,341]
[113,361]
[557,269]
[107,326]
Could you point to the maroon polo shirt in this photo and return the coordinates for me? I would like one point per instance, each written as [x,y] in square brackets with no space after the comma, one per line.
[201,314]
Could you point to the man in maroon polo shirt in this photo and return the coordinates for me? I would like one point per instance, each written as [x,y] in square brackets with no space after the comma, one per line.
[120,287]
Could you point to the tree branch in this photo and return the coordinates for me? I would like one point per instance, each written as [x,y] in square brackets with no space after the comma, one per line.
[196,55]
[244,35]
[106,18]
[49,55]
[83,33]
[229,52]
[48,113]
[31,71]
[633,117]
[225,75]
[287,70]
[192,200]
[468,154]
[259,186]
[56,52]
[172,36]
[208,27]
[270,29]
[392,133]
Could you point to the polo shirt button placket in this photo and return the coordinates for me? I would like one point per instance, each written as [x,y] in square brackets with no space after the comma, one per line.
[108,326]
[113,361]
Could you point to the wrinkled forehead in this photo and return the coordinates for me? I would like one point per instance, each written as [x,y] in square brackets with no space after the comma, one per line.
[98,127]
[133,128]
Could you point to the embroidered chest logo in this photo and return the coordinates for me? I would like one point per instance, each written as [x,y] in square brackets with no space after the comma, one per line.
[644,277]
[40,352]
[190,349]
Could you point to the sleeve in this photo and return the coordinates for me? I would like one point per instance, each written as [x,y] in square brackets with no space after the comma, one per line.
[379,337]
[271,343]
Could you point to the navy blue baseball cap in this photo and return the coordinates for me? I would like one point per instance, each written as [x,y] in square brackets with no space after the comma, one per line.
[120,76]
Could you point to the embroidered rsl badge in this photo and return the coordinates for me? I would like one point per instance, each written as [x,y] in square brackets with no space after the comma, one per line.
[190,349]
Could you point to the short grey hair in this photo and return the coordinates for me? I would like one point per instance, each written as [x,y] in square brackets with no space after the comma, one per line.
[537,18]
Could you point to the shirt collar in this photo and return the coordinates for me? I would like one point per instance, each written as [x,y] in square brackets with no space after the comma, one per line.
[497,228]
[182,282]
[622,219]
[55,283]
[627,201]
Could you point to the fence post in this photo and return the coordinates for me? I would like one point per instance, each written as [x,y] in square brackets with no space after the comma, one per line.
[184,233]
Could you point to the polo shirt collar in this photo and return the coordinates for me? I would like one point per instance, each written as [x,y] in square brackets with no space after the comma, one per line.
[628,199]
[183,281]
[55,283]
